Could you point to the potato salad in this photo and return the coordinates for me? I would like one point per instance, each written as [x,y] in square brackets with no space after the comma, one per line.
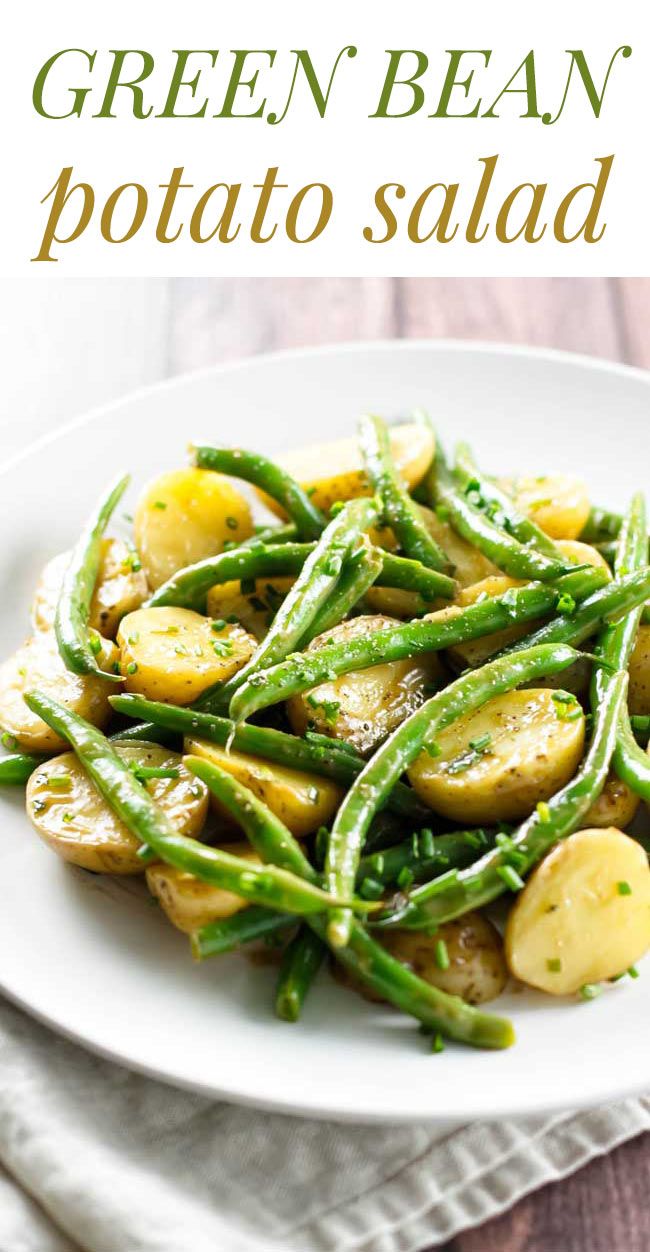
[368,705]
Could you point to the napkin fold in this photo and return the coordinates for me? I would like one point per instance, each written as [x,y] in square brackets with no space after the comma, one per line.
[98,1159]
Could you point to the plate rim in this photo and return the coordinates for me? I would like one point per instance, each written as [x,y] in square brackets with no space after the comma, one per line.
[593,1094]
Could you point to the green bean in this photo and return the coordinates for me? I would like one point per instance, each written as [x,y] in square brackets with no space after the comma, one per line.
[73,637]
[453,626]
[641,726]
[457,892]
[311,590]
[301,962]
[269,885]
[249,924]
[400,512]
[17,768]
[600,526]
[467,693]
[253,468]
[359,572]
[271,534]
[422,856]
[326,758]
[471,524]
[498,505]
[630,762]
[188,587]
[612,600]
[370,963]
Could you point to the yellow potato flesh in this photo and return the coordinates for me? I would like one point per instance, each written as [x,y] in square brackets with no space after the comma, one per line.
[334,471]
[616,805]
[174,654]
[477,969]
[558,503]
[363,707]
[254,611]
[469,565]
[75,821]
[37,666]
[531,754]
[190,903]
[639,692]
[571,925]
[185,516]
[302,801]
[120,589]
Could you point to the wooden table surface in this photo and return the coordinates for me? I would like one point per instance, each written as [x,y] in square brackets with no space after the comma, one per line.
[604,1208]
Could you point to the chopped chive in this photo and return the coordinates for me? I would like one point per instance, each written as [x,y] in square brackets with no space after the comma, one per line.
[371,889]
[633,972]
[405,878]
[590,991]
[132,667]
[232,523]
[159,504]
[441,955]
[480,744]
[509,875]
[624,888]
[144,772]
[437,1043]
[427,845]
[554,965]
[95,644]
[433,750]
[9,741]
[60,782]
[222,647]
[219,625]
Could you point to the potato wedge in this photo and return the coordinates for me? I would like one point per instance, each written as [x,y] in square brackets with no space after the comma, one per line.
[496,764]
[559,503]
[334,471]
[584,914]
[120,589]
[616,805]
[477,969]
[185,516]
[254,611]
[639,694]
[363,707]
[302,801]
[175,654]
[75,821]
[37,666]
[190,903]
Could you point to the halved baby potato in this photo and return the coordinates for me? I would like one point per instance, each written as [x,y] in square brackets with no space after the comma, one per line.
[120,589]
[475,651]
[176,654]
[334,471]
[190,903]
[616,805]
[497,763]
[37,666]
[363,707]
[72,817]
[255,610]
[302,801]
[477,969]
[584,914]
[185,516]
[558,503]
[639,693]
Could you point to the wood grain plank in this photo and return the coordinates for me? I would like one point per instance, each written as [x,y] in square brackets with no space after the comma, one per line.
[577,315]
[217,320]
[603,1208]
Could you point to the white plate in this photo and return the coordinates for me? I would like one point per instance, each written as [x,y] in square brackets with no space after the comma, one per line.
[93,959]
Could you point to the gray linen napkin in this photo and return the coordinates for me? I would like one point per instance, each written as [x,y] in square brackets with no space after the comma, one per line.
[99,1159]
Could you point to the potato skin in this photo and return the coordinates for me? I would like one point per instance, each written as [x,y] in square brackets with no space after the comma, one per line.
[571,911]
[302,801]
[334,471]
[256,611]
[531,755]
[639,693]
[559,503]
[120,589]
[190,903]
[616,805]
[371,702]
[185,516]
[477,969]
[78,824]
[174,654]
[37,666]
